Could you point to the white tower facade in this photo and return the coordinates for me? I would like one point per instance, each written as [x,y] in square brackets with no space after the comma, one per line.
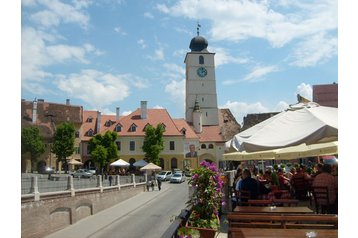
[201,82]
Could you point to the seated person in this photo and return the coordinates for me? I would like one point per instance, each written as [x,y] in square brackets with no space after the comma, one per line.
[249,184]
[283,180]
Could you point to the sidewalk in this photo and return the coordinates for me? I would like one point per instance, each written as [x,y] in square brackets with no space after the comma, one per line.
[89,225]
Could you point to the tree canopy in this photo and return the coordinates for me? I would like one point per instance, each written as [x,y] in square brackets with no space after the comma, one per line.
[64,139]
[32,142]
[153,143]
[103,148]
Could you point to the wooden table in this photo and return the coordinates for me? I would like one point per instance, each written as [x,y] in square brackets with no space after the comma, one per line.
[272,210]
[278,233]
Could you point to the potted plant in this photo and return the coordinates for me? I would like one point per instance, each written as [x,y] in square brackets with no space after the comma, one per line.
[206,200]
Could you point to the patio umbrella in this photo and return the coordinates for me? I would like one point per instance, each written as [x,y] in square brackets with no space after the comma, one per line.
[307,123]
[74,162]
[151,167]
[140,163]
[120,163]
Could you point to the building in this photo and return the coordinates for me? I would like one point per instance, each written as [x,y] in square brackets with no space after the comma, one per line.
[47,116]
[325,94]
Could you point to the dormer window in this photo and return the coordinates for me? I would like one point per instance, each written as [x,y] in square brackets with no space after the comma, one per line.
[183,131]
[109,123]
[90,119]
[133,128]
[90,132]
[146,126]
[118,128]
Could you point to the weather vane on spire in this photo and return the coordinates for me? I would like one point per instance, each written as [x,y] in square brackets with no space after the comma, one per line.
[197,28]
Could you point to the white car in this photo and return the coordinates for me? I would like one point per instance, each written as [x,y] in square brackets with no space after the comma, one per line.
[177,178]
[164,175]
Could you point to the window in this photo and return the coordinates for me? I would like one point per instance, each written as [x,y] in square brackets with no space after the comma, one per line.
[211,146]
[118,128]
[183,131]
[90,132]
[203,146]
[118,145]
[201,59]
[133,128]
[89,119]
[109,123]
[171,145]
[132,145]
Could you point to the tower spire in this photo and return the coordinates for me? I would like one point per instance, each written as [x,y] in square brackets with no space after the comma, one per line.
[197,28]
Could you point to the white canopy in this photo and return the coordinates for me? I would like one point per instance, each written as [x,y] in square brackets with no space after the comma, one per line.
[306,123]
[152,167]
[120,163]
[287,153]
[140,163]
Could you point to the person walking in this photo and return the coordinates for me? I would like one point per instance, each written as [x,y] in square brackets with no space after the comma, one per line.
[159,184]
[110,180]
[152,185]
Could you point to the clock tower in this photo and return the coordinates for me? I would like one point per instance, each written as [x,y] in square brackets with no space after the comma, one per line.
[200,83]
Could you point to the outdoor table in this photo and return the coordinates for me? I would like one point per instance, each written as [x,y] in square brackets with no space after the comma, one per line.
[278,233]
[272,209]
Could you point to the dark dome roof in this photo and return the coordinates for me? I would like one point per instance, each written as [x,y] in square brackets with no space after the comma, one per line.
[198,43]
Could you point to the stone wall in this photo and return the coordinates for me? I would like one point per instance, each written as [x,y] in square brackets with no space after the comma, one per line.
[40,218]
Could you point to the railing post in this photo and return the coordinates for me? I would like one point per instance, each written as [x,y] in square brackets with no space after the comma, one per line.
[35,188]
[70,185]
[134,183]
[99,183]
[118,182]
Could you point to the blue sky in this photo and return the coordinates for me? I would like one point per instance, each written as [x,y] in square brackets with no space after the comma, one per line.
[115,53]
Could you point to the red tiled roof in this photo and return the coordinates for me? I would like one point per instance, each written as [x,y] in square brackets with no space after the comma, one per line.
[189,132]
[211,134]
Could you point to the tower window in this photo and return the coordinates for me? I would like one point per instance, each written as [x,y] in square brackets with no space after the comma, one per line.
[201,59]
[206,113]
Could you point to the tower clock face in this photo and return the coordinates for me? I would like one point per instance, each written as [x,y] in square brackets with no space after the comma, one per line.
[202,72]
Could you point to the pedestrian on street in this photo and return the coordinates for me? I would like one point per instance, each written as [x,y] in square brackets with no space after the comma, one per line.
[159,184]
[152,185]
[110,180]
[148,184]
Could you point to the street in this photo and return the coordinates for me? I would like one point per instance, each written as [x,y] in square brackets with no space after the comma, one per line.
[152,218]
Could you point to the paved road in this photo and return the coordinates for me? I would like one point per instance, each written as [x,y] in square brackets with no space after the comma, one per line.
[145,215]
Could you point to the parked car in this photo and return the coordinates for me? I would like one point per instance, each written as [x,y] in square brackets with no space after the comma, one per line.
[82,173]
[164,175]
[92,170]
[177,178]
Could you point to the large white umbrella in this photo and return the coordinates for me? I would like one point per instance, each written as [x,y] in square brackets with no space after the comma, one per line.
[120,163]
[75,162]
[151,167]
[140,163]
[287,153]
[306,123]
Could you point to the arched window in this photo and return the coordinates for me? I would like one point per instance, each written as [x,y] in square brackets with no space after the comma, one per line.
[203,146]
[211,146]
[201,59]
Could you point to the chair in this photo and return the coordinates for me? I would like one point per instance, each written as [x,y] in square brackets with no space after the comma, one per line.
[321,199]
[300,188]
[243,197]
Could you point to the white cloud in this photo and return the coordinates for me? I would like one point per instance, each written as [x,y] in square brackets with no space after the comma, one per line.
[126,113]
[95,88]
[158,54]
[176,90]
[241,109]
[238,20]
[148,15]
[119,30]
[305,90]
[158,107]
[142,43]
[281,106]
[260,72]
[223,57]
[316,50]
[58,12]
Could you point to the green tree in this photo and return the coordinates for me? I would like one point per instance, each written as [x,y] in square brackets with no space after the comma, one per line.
[104,149]
[32,142]
[153,143]
[63,145]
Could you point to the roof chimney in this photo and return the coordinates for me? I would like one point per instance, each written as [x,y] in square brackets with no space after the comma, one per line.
[34,111]
[143,109]
[98,122]
[67,101]
[117,113]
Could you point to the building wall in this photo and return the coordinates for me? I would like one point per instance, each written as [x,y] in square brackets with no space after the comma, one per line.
[325,95]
